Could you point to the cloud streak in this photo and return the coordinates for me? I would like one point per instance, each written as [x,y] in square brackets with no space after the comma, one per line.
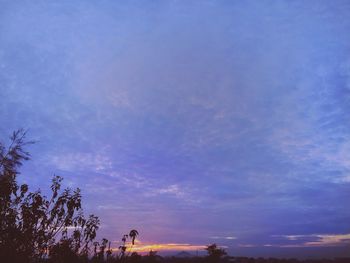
[316,240]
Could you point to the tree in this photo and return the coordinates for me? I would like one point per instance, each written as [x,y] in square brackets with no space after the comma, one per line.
[215,253]
[133,234]
[33,226]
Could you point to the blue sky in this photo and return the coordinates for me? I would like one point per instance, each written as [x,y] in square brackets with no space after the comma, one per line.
[192,121]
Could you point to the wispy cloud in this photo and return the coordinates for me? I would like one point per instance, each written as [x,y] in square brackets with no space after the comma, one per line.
[224,237]
[81,161]
[246,245]
[315,240]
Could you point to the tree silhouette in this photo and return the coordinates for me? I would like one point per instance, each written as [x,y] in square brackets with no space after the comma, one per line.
[215,253]
[133,234]
[33,226]
[36,228]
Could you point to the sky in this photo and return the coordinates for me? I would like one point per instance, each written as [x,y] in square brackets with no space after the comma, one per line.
[194,122]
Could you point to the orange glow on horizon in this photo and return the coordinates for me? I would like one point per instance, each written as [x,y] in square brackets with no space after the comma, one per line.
[145,248]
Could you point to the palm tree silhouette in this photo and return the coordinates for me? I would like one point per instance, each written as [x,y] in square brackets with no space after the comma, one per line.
[133,234]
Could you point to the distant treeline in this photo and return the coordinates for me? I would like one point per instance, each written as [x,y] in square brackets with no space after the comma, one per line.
[229,259]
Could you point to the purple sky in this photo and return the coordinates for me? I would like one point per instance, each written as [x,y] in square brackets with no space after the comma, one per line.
[192,121]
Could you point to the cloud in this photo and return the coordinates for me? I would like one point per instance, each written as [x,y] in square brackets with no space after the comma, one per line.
[246,245]
[330,240]
[81,161]
[183,192]
[316,240]
[224,237]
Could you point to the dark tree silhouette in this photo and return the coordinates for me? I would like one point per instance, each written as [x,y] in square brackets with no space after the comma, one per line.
[33,226]
[215,253]
[133,234]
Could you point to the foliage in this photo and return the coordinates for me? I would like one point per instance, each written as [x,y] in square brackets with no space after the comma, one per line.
[34,227]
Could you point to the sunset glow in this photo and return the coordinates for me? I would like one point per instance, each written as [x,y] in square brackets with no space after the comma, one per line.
[146,248]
